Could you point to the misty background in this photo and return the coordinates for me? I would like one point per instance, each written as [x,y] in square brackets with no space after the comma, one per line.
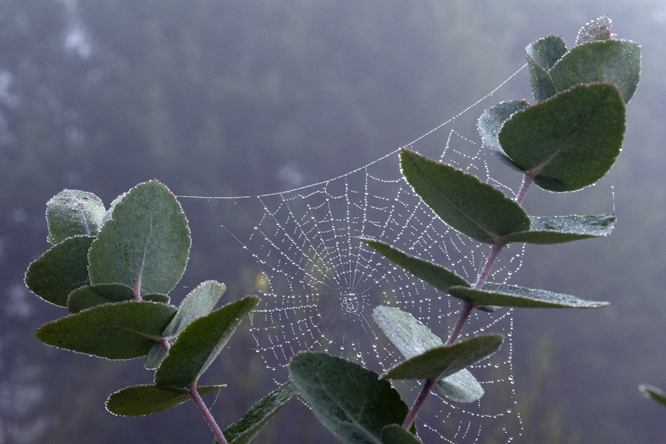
[229,98]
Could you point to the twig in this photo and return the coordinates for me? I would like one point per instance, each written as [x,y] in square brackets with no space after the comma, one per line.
[206,413]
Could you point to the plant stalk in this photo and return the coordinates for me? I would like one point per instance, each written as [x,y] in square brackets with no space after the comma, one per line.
[462,319]
[411,416]
[206,413]
[468,306]
[527,181]
[490,261]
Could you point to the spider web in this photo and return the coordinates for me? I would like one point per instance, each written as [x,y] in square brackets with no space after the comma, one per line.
[319,283]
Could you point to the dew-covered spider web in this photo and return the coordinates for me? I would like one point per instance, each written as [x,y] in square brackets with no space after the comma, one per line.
[319,283]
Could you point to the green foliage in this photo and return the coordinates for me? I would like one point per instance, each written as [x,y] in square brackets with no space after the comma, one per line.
[92,295]
[72,212]
[653,392]
[60,270]
[113,270]
[394,434]
[145,244]
[461,200]
[351,401]
[200,343]
[440,362]
[141,400]
[243,430]
[198,303]
[115,280]
[520,297]
[124,330]
[413,339]
[569,141]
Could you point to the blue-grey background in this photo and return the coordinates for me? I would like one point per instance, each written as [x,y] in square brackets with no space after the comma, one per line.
[235,97]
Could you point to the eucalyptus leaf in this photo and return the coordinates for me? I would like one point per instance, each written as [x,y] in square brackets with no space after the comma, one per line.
[157,297]
[145,244]
[513,296]
[569,141]
[92,295]
[460,387]
[461,200]
[412,338]
[200,342]
[653,392]
[394,434]
[73,213]
[597,30]
[352,402]
[440,362]
[490,123]
[141,400]
[541,56]
[199,302]
[60,270]
[547,51]
[409,335]
[433,274]
[559,229]
[124,330]
[246,428]
[610,61]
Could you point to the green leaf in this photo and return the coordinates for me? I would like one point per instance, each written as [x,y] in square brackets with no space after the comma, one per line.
[200,342]
[405,332]
[145,244]
[559,229]
[352,402]
[460,387]
[490,123]
[541,56]
[433,274]
[461,200]
[198,303]
[141,400]
[610,61]
[124,330]
[73,213]
[513,296]
[60,270]
[653,393]
[570,141]
[93,295]
[394,434]
[596,31]
[246,428]
[440,362]
[412,338]
[157,297]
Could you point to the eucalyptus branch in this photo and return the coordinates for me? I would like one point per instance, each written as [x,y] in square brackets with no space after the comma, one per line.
[217,431]
[528,178]
[418,403]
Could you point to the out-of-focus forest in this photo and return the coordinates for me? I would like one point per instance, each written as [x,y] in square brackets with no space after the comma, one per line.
[227,98]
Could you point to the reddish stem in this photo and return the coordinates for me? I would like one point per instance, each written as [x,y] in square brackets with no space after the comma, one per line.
[490,261]
[468,306]
[411,416]
[206,413]
[462,318]
[527,181]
